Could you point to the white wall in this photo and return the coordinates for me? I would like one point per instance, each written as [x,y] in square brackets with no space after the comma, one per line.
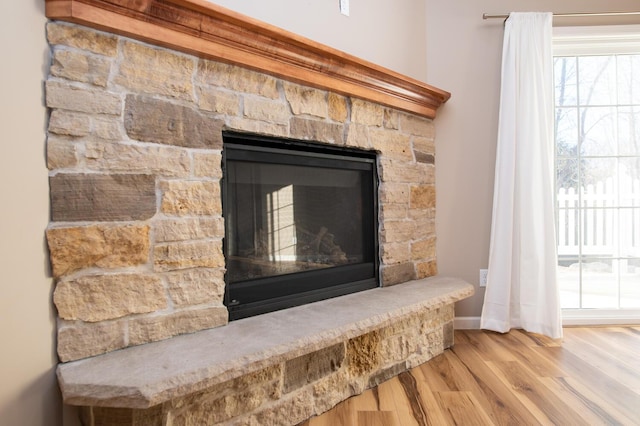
[387,33]
[29,392]
[463,57]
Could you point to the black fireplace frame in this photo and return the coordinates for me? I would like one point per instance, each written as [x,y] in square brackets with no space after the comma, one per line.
[256,296]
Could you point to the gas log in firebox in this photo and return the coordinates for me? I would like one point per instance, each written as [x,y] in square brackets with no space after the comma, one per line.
[301,222]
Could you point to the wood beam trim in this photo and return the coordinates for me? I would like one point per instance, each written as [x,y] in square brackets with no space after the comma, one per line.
[210,31]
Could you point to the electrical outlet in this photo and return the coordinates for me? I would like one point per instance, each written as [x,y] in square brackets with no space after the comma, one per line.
[483,277]
[344,7]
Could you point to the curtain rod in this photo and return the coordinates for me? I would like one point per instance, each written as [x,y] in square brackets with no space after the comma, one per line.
[566,15]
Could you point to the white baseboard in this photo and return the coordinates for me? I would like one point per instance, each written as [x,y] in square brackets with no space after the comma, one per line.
[570,318]
[466,323]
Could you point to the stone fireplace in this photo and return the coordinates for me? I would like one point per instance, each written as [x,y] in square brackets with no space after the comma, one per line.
[135,148]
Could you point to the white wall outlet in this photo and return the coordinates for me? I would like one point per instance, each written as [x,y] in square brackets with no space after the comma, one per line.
[483,277]
[344,7]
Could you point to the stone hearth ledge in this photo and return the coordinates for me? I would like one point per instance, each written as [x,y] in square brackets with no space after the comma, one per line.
[147,375]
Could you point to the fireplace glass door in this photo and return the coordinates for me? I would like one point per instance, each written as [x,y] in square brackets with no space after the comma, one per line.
[301,223]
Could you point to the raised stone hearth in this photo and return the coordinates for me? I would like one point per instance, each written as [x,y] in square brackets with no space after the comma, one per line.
[134,151]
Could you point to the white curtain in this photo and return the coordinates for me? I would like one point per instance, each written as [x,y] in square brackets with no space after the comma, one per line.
[522,289]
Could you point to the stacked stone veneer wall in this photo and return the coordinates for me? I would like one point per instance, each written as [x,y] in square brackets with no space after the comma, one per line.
[134,152]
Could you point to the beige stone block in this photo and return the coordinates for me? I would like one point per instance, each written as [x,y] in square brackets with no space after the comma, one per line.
[293,409]
[367,113]
[398,231]
[137,158]
[423,196]
[108,128]
[61,153]
[79,99]
[219,101]
[82,38]
[257,126]
[416,125]
[426,269]
[397,274]
[396,253]
[154,120]
[96,298]
[265,110]
[156,71]
[196,286]
[69,123]
[423,249]
[306,100]
[393,211]
[183,229]
[315,130]
[190,254]
[78,66]
[77,341]
[308,368]
[424,144]
[363,353]
[424,218]
[397,193]
[338,109]
[126,416]
[186,198]
[392,145]
[237,78]
[160,327]
[103,246]
[401,171]
[358,136]
[207,165]
[391,119]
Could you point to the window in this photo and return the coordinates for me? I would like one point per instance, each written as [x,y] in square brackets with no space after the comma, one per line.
[597,133]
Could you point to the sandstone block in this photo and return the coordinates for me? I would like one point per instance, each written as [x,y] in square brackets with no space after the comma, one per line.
[306,100]
[398,231]
[103,246]
[415,125]
[158,121]
[335,388]
[84,340]
[125,416]
[338,109]
[424,249]
[73,98]
[447,335]
[391,119]
[396,274]
[321,131]
[78,66]
[196,286]
[308,368]
[385,374]
[218,101]
[265,110]
[92,197]
[82,38]
[61,153]
[108,128]
[395,253]
[400,171]
[183,229]
[186,198]
[422,157]
[154,71]
[358,136]
[424,144]
[69,123]
[260,127]
[154,328]
[101,297]
[293,409]
[207,164]
[367,113]
[423,196]
[397,193]
[393,211]
[237,78]
[426,269]
[189,254]
[137,158]
[363,353]
[392,145]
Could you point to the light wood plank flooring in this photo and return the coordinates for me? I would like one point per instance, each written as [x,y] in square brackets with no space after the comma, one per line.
[591,377]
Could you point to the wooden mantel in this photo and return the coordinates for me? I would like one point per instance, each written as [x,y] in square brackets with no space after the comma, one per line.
[207,30]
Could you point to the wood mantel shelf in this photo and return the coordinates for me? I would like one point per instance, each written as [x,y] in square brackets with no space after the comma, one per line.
[210,31]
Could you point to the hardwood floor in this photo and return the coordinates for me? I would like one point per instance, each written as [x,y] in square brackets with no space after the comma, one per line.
[592,377]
